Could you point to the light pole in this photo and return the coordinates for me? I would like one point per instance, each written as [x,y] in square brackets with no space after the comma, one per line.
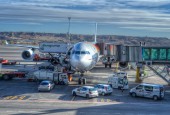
[69,18]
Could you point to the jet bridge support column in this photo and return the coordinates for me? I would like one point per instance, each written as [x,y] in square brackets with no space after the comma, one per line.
[117,66]
[139,66]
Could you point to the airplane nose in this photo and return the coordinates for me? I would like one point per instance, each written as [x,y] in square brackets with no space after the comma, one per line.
[80,63]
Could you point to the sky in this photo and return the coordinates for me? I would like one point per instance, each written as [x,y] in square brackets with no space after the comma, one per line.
[113,17]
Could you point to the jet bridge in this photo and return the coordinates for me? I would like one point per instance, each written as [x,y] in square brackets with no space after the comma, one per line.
[141,55]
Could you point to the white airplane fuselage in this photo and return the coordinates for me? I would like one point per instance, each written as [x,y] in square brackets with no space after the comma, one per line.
[84,56]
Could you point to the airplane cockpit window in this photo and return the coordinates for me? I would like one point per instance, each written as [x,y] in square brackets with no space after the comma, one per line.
[80,52]
[85,52]
[77,52]
[73,52]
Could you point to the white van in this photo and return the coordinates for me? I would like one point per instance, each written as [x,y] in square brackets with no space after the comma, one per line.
[118,82]
[154,91]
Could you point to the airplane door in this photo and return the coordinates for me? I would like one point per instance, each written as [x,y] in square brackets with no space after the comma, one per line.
[140,90]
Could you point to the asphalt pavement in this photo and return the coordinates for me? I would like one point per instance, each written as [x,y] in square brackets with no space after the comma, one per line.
[19,97]
[77,108]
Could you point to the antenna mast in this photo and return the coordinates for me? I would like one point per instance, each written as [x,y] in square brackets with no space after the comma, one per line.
[95,39]
[69,18]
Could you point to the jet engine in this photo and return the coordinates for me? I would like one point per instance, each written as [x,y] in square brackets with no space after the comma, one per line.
[123,64]
[28,54]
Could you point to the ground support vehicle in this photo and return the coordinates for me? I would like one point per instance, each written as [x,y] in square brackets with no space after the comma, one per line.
[107,62]
[154,91]
[85,91]
[56,77]
[38,57]
[10,75]
[104,89]
[7,62]
[118,82]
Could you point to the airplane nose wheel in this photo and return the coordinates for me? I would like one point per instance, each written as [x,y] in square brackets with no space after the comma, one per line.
[82,80]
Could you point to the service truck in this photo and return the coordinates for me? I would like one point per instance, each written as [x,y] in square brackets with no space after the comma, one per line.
[56,77]
[41,57]
[118,81]
[107,61]
[7,62]
[8,75]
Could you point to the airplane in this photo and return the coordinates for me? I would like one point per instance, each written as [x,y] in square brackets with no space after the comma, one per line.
[83,56]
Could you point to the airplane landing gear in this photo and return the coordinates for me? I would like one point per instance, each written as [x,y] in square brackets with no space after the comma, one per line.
[82,80]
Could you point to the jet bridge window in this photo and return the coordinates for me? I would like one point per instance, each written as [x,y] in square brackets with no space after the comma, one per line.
[168,57]
[162,54]
[154,54]
[146,53]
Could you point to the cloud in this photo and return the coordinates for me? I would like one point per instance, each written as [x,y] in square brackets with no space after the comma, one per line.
[124,13]
[147,3]
[158,29]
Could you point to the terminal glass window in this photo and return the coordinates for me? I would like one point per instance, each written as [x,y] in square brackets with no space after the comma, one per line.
[146,53]
[154,54]
[162,54]
[168,54]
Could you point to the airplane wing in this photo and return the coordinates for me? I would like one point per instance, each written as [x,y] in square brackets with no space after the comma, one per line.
[20,45]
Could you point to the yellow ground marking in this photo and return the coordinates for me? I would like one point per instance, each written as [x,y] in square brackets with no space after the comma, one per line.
[102,100]
[21,97]
[108,100]
[14,97]
[8,97]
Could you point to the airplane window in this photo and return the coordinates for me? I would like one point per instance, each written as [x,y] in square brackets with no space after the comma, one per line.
[83,52]
[73,52]
[87,52]
[77,52]
[80,52]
